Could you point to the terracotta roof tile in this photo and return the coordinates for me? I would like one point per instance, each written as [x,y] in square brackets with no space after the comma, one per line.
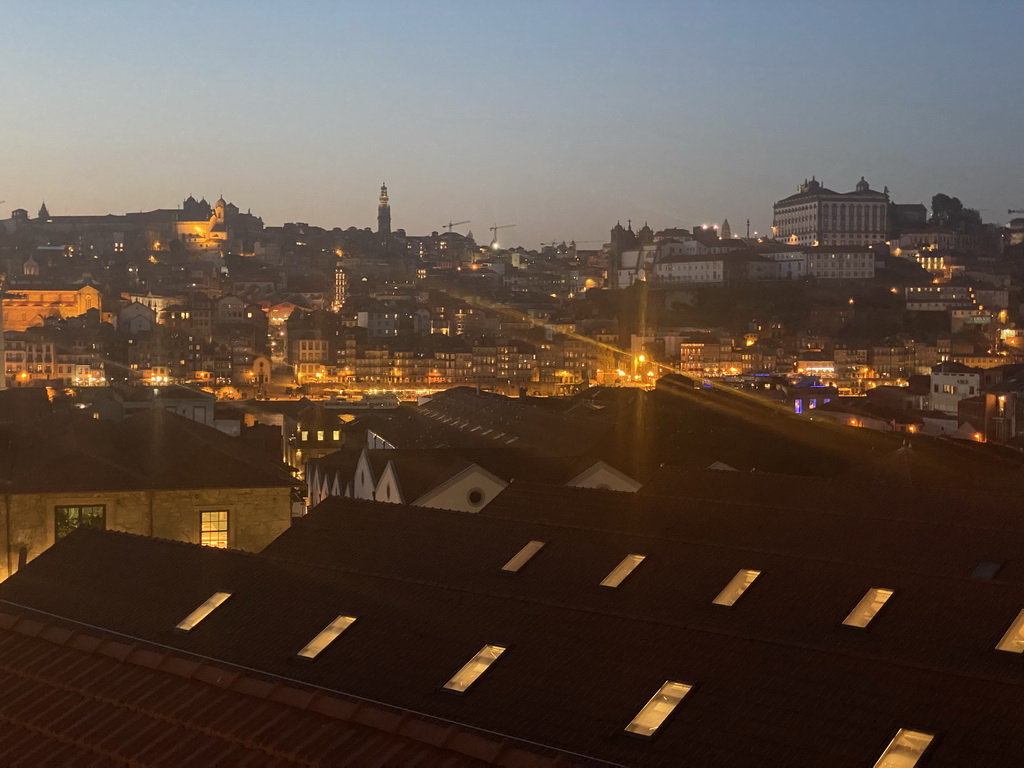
[63,705]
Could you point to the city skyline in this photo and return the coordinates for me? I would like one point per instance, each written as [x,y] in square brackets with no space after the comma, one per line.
[561,119]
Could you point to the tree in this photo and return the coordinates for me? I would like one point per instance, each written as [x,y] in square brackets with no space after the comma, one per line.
[950,212]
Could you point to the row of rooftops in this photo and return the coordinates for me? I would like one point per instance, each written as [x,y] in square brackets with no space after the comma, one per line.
[745,633]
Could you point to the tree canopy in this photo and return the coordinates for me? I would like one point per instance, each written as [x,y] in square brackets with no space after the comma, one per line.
[950,212]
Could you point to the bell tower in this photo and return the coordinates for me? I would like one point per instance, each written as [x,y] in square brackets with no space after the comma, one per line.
[383,212]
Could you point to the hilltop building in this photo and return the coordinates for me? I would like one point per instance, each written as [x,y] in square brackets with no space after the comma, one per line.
[817,215]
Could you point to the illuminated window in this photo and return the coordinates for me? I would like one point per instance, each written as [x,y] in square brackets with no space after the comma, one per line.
[336,435]
[214,529]
[189,622]
[868,606]
[68,518]
[313,648]
[1013,640]
[622,570]
[320,435]
[735,588]
[305,435]
[473,668]
[905,749]
[522,557]
[649,719]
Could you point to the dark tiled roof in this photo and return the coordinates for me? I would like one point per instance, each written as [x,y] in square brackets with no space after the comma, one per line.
[695,428]
[153,449]
[73,698]
[779,681]
[514,422]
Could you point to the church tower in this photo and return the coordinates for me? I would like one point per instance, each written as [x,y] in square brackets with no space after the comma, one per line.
[383,212]
[725,231]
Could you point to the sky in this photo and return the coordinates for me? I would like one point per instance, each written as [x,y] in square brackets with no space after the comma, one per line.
[558,116]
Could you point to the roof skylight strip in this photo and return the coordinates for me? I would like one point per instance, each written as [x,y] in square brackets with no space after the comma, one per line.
[1013,640]
[736,587]
[869,605]
[622,570]
[473,668]
[905,749]
[523,556]
[654,713]
[189,622]
[325,637]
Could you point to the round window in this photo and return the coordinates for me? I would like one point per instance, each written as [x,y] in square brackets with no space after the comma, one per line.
[475,497]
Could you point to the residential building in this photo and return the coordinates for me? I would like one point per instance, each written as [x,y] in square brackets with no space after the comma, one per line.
[155,474]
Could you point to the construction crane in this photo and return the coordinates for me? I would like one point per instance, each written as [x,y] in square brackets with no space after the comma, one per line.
[452,224]
[494,231]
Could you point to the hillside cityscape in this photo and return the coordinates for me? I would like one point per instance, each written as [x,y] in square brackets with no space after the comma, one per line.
[511,385]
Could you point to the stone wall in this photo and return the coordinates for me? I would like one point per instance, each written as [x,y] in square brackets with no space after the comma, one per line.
[256,516]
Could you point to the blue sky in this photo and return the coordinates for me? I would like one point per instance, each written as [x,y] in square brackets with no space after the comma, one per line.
[560,117]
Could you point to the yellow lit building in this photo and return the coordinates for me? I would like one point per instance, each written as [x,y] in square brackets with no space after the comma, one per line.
[25,307]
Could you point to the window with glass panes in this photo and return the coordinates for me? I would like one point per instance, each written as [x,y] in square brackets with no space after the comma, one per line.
[73,516]
[214,529]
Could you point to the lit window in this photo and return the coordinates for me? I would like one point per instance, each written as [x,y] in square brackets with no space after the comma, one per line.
[1013,640]
[326,637]
[320,435]
[866,609]
[214,529]
[522,557]
[649,719]
[336,435]
[622,570]
[473,668]
[204,610]
[68,518]
[305,435]
[905,749]
[735,588]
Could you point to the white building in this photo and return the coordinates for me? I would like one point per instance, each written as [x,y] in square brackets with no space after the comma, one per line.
[950,383]
[840,263]
[816,215]
[690,269]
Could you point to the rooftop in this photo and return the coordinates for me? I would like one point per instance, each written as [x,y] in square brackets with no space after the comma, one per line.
[764,676]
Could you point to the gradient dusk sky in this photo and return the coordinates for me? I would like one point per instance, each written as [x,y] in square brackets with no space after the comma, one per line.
[560,116]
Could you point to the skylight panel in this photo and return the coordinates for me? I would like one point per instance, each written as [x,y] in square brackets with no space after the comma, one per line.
[986,569]
[905,749]
[473,668]
[649,719]
[736,587]
[868,606]
[189,622]
[622,570]
[1013,640]
[523,556]
[328,635]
